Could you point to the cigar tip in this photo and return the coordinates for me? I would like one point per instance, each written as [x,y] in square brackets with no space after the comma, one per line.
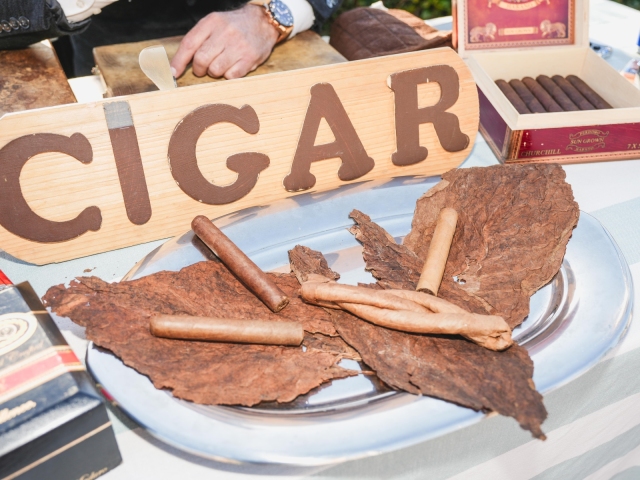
[153,326]
[198,220]
[427,291]
[449,212]
[284,301]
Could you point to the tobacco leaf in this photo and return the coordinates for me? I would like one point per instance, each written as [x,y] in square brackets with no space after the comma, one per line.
[116,317]
[514,222]
[305,261]
[449,368]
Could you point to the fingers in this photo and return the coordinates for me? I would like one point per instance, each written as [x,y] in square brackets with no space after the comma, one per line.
[229,44]
[220,64]
[210,52]
[190,44]
[240,69]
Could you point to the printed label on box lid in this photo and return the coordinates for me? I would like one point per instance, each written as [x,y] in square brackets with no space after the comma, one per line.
[516,23]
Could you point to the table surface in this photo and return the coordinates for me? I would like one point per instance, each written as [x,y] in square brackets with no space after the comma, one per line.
[593,427]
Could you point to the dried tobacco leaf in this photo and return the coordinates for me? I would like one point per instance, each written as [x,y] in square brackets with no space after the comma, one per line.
[116,317]
[305,261]
[513,227]
[449,368]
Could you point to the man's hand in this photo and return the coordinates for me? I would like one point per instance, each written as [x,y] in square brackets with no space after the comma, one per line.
[227,44]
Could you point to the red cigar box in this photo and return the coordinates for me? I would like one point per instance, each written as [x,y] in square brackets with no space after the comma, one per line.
[53,422]
[508,39]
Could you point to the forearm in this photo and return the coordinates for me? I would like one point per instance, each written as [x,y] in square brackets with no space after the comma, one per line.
[25,22]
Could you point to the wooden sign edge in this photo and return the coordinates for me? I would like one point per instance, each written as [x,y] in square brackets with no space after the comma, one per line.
[43,257]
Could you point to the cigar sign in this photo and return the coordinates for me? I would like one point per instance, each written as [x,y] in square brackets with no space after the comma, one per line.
[86,178]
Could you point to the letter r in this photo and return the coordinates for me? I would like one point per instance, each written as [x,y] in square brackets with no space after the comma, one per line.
[409,116]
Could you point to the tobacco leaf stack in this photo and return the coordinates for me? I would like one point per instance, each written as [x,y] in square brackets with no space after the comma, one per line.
[510,239]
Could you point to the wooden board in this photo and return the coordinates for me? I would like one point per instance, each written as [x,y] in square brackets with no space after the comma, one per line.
[32,78]
[127,183]
[119,66]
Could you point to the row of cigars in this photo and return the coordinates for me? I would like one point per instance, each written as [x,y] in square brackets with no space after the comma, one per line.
[419,311]
[551,94]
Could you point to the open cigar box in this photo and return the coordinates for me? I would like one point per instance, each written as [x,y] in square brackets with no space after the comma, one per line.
[513,39]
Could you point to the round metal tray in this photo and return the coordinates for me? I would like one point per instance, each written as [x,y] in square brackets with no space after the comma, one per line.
[575,320]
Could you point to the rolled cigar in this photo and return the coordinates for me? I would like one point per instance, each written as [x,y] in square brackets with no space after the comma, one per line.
[527,97]
[435,304]
[573,93]
[489,331]
[239,264]
[588,92]
[547,101]
[226,330]
[512,96]
[556,92]
[332,293]
[433,269]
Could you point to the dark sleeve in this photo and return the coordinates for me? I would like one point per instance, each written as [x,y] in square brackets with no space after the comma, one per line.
[23,22]
[323,9]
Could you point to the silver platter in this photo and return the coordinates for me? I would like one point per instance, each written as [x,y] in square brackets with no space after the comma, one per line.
[575,320]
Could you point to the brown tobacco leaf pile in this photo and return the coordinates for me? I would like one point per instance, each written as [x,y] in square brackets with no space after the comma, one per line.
[116,317]
[513,227]
[449,368]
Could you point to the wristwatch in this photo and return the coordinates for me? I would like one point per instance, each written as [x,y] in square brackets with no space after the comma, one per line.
[279,16]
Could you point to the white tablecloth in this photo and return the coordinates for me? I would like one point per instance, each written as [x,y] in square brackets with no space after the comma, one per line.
[593,426]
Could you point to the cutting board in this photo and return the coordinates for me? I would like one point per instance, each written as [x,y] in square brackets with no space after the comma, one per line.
[32,78]
[118,64]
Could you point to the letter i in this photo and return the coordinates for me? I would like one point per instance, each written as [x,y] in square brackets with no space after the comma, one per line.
[126,151]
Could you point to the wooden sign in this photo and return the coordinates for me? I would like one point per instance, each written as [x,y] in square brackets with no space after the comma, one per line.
[82,179]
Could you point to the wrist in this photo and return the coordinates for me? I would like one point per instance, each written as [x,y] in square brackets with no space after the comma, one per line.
[278,15]
[269,30]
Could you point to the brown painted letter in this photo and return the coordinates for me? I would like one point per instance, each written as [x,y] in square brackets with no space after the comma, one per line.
[184,164]
[124,142]
[15,214]
[409,117]
[347,146]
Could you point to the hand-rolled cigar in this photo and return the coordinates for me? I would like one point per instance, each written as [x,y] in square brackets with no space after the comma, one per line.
[556,92]
[489,331]
[436,260]
[573,93]
[239,264]
[547,101]
[588,92]
[527,97]
[512,96]
[334,294]
[226,330]
[435,304]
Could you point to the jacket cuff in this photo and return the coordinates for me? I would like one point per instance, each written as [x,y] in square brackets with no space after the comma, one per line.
[24,23]
[303,16]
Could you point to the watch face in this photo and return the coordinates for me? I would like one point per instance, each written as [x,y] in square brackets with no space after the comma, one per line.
[281,13]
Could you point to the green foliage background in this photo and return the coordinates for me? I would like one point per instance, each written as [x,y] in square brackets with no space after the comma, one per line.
[423,8]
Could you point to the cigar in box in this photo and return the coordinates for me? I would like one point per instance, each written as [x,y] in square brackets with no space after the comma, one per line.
[589,111]
[53,422]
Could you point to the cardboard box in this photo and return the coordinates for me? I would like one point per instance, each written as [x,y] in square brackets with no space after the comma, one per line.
[53,422]
[507,39]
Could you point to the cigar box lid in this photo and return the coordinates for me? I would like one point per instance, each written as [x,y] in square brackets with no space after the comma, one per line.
[485,25]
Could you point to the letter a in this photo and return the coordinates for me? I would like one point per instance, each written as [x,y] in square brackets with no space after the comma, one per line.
[347,146]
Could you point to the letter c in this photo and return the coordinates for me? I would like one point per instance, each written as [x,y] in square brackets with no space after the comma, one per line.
[15,214]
